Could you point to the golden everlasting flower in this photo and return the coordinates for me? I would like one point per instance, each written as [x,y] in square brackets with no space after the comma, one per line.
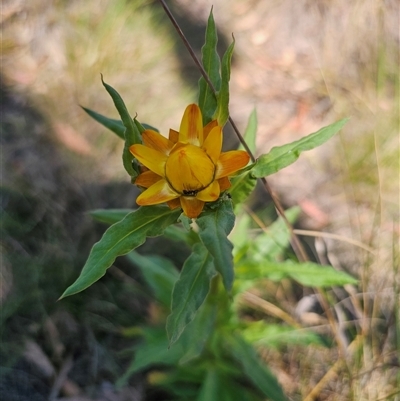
[188,169]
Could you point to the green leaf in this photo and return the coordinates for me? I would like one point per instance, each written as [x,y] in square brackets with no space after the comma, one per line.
[174,233]
[242,186]
[223,93]
[211,64]
[274,335]
[219,386]
[282,156]
[250,133]
[190,290]
[153,351]
[308,274]
[160,275]
[215,225]
[121,238]
[109,216]
[131,133]
[254,369]
[271,244]
[198,331]
[115,126]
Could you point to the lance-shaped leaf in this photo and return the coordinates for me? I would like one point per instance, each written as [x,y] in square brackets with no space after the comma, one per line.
[308,274]
[215,225]
[116,126]
[219,386]
[190,290]
[223,93]
[153,351]
[254,369]
[109,216]
[131,133]
[211,64]
[250,132]
[244,184]
[198,331]
[282,156]
[113,125]
[160,274]
[121,238]
[173,232]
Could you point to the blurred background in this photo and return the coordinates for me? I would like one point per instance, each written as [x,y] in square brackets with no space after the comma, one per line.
[301,64]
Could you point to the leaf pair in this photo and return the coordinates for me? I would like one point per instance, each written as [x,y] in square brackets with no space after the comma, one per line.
[210,256]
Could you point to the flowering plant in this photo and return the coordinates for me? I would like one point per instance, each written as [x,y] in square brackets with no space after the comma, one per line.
[188,193]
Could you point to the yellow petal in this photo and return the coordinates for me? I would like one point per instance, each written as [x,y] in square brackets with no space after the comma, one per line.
[213,143]
[224,183]
[210,194]
[208,128]
[191,206]
[191,129]
[151,158]
[230,162]
[173,135]
[159,192]
[147,179]
[155,140]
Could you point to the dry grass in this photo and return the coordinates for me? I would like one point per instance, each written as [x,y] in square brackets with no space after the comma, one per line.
[302,64]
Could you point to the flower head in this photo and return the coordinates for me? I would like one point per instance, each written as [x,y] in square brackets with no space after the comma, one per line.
[187,169]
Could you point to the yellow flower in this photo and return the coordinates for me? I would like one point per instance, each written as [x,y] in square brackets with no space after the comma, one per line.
[188,169]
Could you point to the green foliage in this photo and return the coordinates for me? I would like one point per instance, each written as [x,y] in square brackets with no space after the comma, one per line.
[308,274]
[121,238]
[131,133]
[116,126]
[254,369]
[160,275]
[276,335]
[215,225]
[211,64]
[223,93]
[282,156]
[214,102]
[190,290]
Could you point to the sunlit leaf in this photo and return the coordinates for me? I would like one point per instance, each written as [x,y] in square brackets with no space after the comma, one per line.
[272,243]
[274,335]
[190,290]
[282,156]
[308,274]
[255,370]
[215,225]
[223,93]
[211,64]
[121,238]
[160,275]
[250,133]
[242,186]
